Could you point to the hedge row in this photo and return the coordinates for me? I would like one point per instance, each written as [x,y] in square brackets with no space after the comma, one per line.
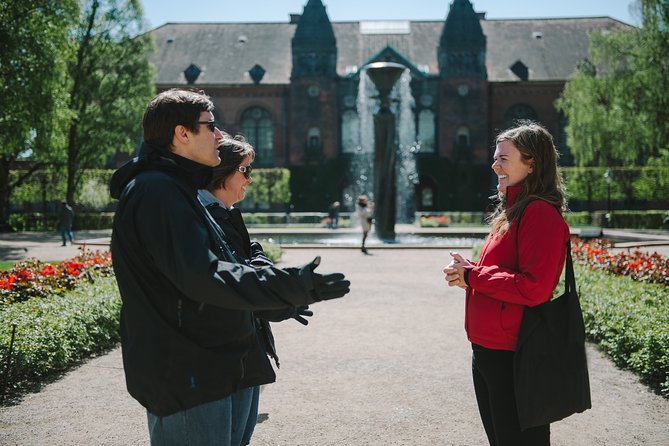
[38,221]
[55,333]
[653,219]
[630,322]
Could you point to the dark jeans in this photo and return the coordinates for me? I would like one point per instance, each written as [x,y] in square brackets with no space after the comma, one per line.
[226,422]
[66,234]
[493,384]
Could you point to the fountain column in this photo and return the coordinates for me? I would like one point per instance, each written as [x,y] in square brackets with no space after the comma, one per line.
[384,75]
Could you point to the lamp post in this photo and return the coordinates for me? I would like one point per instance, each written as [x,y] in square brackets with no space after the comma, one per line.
[608,179]
[384,75]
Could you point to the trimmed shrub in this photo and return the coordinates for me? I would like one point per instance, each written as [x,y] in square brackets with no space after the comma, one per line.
[630,322]
[55,333]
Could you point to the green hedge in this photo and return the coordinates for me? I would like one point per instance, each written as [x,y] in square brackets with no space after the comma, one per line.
[653,219]
[53,334]
[38,221]
[630,322]
[623,183]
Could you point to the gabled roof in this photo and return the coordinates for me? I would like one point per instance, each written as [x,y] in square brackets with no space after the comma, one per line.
[225,52]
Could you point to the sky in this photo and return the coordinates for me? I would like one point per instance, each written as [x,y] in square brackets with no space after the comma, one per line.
[158,12]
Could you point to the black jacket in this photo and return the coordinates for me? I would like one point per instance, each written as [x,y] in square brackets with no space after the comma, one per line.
[186,321]
[252,253]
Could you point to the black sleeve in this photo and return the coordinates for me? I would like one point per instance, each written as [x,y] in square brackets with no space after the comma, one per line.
[175,237]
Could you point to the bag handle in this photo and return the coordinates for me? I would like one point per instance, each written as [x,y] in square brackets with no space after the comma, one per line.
[569,278]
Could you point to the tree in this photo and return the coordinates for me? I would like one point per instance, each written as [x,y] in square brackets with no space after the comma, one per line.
[34,46]
[617,106]
[111,81]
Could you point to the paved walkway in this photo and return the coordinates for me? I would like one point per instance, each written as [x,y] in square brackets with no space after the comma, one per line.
[47,245]
[386,365]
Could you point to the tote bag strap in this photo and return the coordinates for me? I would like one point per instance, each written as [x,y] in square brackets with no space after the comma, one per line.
[569,279]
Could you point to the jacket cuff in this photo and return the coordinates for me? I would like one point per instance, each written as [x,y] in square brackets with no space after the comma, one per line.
[466,272]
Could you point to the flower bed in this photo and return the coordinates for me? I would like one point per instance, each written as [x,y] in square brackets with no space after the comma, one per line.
[639,266]
[33,278]
[626,307]
[435,221]
[53,316]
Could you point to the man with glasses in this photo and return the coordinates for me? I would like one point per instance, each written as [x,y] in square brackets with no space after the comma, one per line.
[187,316]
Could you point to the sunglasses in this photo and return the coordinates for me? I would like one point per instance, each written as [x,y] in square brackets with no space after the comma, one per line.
[246,171]
[210,124]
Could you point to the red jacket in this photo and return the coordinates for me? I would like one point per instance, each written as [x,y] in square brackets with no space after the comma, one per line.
[517,269]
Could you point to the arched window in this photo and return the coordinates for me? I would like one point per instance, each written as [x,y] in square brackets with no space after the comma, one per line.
[256,126]
[517,112]
[426,131]
[314,138]
[350,131]
[462,136]
[427,198]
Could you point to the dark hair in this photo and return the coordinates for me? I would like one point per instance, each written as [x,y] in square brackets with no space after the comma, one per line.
[536,147]
[232,152]
[172,108]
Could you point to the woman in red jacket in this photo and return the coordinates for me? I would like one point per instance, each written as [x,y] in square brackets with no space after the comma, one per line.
[520,265]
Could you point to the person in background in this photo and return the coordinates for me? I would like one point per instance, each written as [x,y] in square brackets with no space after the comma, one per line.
[519,266]
[365,211]
[226,188]
[65,218]
[187,325]
[333,214]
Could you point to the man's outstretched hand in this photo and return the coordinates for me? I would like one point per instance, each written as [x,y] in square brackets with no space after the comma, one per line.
[302,310]
[328,286]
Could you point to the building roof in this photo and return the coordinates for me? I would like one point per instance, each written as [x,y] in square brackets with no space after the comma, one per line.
[225,52]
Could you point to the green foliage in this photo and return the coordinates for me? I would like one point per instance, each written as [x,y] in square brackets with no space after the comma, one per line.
[38,221]
[624,183]
[49,185]
[111,81]
[53,334]
[35,44]
[630,322]
[617,106]
[329,179]
[269,187]
[618,219]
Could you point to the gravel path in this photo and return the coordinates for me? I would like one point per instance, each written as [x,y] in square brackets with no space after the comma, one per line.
[387,365]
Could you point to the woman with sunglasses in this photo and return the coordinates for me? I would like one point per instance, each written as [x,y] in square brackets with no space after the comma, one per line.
[226,188]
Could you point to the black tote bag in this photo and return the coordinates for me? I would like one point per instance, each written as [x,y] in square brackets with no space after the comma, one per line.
[550,367]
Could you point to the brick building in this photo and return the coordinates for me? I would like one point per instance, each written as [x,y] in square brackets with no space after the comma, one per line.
[294,90]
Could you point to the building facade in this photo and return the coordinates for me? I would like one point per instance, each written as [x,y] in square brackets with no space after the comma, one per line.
[299,93]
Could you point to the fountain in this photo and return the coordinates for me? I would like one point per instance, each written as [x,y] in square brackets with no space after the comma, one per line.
[384,75]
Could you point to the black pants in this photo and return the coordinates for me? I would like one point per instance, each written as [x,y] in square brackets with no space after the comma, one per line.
[493,383]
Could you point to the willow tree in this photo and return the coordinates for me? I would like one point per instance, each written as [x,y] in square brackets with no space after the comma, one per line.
[617,106]
[35,43]
[110,83]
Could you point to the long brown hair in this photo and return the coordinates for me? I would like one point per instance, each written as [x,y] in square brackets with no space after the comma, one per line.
[232,152]
[544,182]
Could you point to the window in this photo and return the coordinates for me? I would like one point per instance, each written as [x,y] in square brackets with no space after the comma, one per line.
[256,126]
[426,131]
[427,198]
[517,112]
[314,138]
[350,131]
[462,136]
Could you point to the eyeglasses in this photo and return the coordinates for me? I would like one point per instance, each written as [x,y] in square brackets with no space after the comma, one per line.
[210,124]
[246,171]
